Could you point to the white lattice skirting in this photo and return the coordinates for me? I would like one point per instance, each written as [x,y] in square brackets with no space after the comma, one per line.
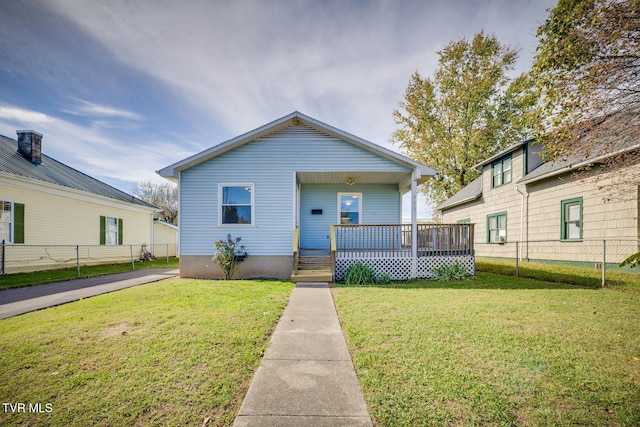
[400,268]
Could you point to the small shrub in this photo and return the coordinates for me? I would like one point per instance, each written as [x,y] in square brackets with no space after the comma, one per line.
[229,254]
[383,279]
[453,271]
[361,273]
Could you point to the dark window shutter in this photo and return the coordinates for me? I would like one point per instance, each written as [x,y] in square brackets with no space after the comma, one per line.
[18,223]
[120,231]
[103,230]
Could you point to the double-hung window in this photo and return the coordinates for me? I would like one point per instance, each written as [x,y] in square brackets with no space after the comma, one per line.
[571,219]
[237,203]
[501,172]
[349,208]
[6,222]
[111,230]
[11,222]
[497,228]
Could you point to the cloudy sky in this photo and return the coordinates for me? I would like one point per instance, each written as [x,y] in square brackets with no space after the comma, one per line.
[123,88]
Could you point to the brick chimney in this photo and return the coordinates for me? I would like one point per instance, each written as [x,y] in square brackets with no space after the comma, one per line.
[30,145]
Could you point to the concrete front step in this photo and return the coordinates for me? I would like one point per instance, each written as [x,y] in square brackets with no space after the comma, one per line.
[312,276]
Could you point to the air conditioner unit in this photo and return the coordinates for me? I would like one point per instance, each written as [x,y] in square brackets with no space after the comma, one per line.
[500,239]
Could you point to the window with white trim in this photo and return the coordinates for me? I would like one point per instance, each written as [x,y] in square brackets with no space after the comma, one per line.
[349,208]
[236,203]
[6,221]
[111,231]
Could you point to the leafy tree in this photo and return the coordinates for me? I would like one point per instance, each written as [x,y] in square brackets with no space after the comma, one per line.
[469,110]
[163,196]
[587,68]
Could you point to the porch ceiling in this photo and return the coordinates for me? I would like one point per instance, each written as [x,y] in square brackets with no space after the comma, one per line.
[358,177]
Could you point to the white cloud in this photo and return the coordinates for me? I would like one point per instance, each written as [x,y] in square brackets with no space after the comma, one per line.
[247,62]
[235,65]
[23,116]
[89,149]
[86,108]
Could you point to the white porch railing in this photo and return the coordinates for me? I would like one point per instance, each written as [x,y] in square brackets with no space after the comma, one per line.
[387,248]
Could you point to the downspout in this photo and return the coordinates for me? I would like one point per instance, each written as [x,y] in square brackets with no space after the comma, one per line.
[522,205]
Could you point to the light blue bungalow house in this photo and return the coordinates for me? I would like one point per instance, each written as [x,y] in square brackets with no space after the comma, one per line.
[306,198]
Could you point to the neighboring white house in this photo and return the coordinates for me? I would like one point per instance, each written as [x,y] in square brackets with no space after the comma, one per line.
[296,184]
[165,235]
[519,197]
[45,202]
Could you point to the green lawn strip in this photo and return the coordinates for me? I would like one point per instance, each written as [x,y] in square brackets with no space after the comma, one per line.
[494,351]
[38,277]
[628,280]
[170,353]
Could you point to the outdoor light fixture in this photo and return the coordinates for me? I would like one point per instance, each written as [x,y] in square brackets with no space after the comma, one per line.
[351,180]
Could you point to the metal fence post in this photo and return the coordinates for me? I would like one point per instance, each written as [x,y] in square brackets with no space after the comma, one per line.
[2,257]
[604,262]
[167,253]
[133,265]
[78,259]
[517,258]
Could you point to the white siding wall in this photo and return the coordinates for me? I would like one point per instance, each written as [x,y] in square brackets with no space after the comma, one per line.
[63,217]
[270,163]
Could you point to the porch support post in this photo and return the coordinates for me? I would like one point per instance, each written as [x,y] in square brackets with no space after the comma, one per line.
[414,225]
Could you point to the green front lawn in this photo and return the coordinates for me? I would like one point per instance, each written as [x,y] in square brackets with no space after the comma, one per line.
[495,351]
[171,353]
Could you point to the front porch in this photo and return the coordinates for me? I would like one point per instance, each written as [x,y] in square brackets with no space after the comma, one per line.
[387,248]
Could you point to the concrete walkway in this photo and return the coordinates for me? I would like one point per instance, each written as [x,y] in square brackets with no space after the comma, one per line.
[17,301]
[306,377]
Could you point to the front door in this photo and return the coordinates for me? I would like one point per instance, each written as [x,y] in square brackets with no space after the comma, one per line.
[322,205]
[317,213]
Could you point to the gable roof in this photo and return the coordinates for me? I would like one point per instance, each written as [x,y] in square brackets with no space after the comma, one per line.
[54,172]
[294,119]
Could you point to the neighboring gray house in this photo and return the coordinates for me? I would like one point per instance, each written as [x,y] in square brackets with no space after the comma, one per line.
[553,208]
[283,188]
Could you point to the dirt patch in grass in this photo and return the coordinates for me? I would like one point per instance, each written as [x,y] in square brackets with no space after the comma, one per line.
[122,328]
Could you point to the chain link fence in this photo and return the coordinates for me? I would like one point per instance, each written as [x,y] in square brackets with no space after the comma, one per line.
[595,254]
[29,258]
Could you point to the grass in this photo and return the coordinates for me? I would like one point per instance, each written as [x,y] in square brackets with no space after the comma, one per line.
[495,351]
[618,279]
[171,353]
[34,278]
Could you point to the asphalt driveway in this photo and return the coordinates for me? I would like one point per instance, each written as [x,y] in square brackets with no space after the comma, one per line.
[23,300]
